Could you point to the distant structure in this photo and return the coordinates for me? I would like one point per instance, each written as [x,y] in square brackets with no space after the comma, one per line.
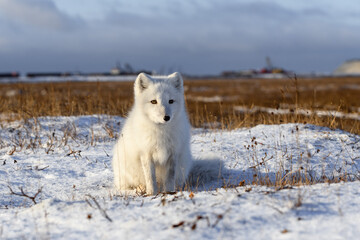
[270,68]
[9,75]
[115,71]
[118,70]
[269,71]
[350,67]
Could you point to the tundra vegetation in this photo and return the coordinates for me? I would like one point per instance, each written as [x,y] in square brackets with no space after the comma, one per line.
[295,179]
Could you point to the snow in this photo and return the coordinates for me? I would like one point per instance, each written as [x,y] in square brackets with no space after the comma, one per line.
[299,111]
[215,98]
[69,159]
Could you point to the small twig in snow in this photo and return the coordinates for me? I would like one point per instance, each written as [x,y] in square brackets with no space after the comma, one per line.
[102,211]
[23,194]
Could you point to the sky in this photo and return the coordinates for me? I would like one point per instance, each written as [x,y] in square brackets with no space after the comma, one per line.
[191,36]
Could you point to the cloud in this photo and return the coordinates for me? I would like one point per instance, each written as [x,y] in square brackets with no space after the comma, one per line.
[237,34]
[201,36]
[38,13]
[218,26]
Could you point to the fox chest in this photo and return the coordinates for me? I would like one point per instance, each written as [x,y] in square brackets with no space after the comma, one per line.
[162,150]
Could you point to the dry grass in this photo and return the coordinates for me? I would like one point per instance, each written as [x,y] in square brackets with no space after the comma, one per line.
[213,103]
[210,102]
[327,94]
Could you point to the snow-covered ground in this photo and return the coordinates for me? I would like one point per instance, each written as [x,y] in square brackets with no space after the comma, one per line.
[300,111]
[66,161]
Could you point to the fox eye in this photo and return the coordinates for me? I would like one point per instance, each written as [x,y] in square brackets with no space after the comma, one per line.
[171,101]
[153,101]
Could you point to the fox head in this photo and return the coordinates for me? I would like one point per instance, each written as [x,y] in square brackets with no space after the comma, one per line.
[160,98]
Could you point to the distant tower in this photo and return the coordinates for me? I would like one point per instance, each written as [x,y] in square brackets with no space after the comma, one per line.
[269,64]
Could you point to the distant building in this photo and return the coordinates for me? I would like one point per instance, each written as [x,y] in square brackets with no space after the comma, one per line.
[351,67]
[115,71]
[9,75]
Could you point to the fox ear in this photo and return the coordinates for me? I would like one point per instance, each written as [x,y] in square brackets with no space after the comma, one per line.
[142,82]
[176,80]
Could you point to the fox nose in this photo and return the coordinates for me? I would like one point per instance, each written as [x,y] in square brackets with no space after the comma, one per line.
[167,118]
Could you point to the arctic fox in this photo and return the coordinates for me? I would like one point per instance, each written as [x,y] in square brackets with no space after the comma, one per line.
[153,150]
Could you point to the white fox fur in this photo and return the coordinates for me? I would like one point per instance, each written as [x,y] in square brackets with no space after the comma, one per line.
[153,150]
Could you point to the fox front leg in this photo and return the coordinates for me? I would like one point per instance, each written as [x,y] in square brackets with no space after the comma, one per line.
[169,184]
[149,174]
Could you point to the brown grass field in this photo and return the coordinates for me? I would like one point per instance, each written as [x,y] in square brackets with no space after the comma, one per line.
[212,103]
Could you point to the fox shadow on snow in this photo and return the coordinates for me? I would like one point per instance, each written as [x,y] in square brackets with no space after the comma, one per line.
[209,173]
